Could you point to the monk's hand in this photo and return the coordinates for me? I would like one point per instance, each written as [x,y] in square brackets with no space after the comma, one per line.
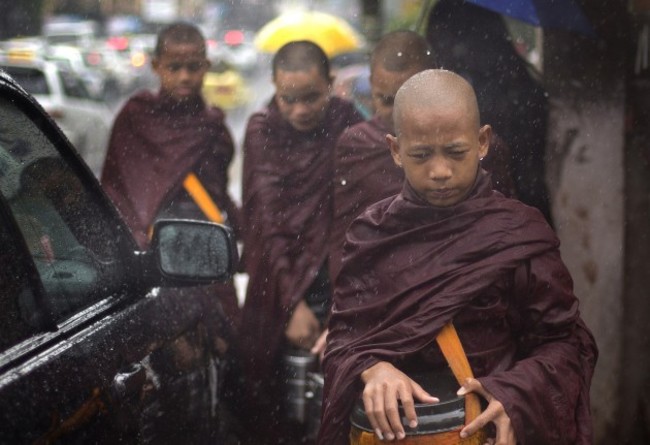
[303,328]
[494,413]
[319,347]
[385,385]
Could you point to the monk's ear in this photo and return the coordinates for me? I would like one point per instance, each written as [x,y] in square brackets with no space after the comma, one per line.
[484,137]
[393,144]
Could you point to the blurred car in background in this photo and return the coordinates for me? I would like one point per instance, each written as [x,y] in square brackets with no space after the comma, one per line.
[224,87]
[117,67]
[86,122]
[69,30]
[137,50]
[236,48]
[100,83]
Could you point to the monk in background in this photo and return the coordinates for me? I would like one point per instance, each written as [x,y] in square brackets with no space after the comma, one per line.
[287,193]
[159,138]
[157,141]
[450,248]
[364,170]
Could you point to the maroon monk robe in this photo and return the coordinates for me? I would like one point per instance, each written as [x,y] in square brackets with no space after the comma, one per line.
[491,265]
[155,142]
[366,173]
[287,212]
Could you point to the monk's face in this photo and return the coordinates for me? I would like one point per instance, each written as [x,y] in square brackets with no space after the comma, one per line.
[302,97]
[181,68]
[439,151]
[384,85]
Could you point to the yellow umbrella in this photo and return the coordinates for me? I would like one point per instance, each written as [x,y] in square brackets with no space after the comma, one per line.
[331,33]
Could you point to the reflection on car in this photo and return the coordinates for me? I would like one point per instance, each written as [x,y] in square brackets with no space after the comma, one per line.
[99,342]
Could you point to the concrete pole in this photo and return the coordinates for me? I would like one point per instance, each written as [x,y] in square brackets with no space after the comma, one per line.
[585,78]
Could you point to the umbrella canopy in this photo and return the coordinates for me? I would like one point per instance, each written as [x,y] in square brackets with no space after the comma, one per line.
[562,14]
[333,34]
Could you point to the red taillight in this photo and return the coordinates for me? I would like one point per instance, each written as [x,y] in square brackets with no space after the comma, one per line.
[234,37]
[93,59]
[119,43]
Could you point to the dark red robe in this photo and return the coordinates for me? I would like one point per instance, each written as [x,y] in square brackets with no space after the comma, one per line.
[490,264]
[155,142]
[365,173]
[287,192]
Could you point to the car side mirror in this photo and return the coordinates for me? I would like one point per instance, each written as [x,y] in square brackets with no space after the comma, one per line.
[190,252]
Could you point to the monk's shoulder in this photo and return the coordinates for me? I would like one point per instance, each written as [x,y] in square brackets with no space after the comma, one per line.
[509,214]
[375,214]
[140,102]
[344,112]
[259,121]
[216,114]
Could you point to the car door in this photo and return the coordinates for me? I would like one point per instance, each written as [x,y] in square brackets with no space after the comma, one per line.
[90,351]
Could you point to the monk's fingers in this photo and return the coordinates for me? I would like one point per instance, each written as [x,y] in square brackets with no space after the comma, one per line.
[505,431]
[321,342]
[420,394]
[408,404]
[373,402]
[408,397]
[473,385]
[505,436]
[391,404]
[496,414]
[490,414]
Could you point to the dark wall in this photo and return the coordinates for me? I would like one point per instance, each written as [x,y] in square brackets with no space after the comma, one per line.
[635,379]
[21,18]
[587,79]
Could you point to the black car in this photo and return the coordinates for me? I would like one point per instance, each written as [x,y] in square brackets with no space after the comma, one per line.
[99,342]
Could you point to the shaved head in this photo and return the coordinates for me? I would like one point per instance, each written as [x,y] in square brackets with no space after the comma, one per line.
[178,33]
[433,90]
[301,55]
[402,51]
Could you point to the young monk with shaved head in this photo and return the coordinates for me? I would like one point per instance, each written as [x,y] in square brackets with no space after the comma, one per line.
[287,189]
[364,170]
[450,248]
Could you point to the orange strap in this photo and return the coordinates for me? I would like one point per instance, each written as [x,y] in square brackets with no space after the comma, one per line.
[202,198]
[454,353]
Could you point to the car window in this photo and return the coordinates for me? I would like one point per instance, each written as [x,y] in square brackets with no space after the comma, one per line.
[31,79]
[70,237]
[72,86]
